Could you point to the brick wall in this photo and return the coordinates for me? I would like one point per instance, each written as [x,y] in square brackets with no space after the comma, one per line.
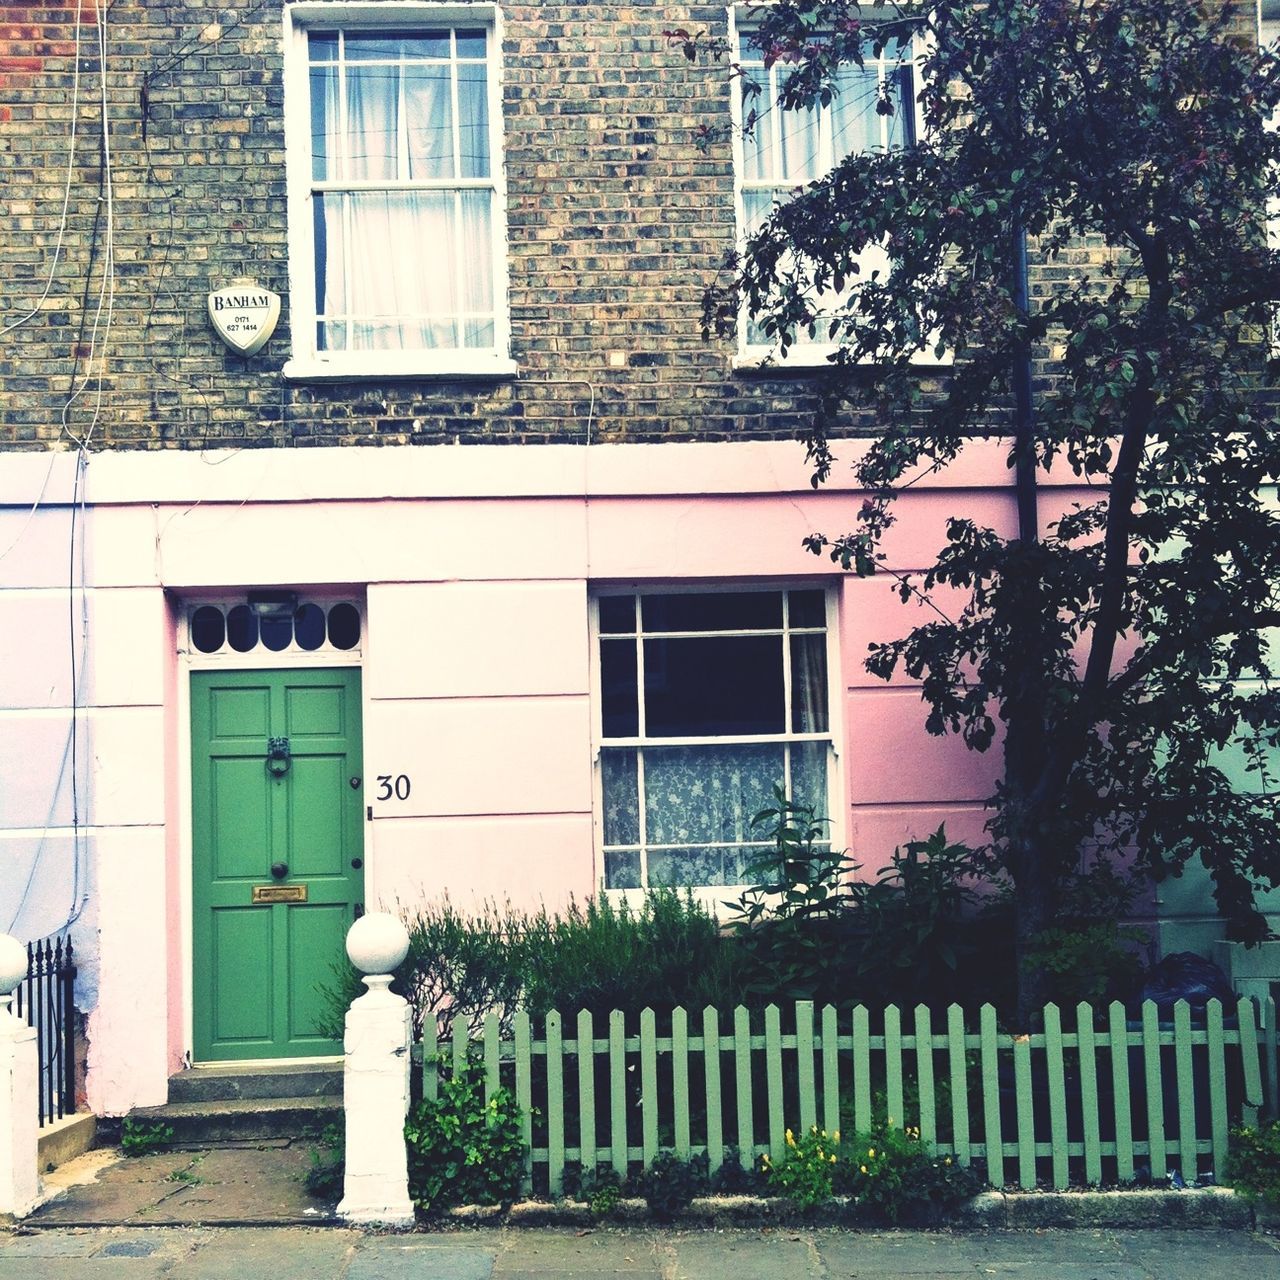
[617,221]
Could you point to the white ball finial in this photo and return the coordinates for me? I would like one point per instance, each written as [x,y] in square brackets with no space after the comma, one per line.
[376,943]
[13,963]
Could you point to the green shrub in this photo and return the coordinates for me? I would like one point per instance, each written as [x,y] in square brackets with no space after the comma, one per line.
[602,957]
[894,1177]
[462,1149]
[599,1189]
[140,1138]
[669,1184]
[328,1165]
[807,1174]
[1253,1163]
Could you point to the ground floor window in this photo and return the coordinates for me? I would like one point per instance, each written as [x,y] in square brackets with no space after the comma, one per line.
[708,699]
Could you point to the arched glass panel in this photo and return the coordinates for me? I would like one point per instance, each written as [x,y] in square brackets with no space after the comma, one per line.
[308,627]
[242,628]
[276,631]
[208,629]
[344,626]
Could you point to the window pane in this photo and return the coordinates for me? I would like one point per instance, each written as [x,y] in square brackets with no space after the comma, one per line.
[472,43]
[621,797]
[473,119]
[331,292]
[684,868]
[757,144]
[622,869]
[855,126]
[617,613]
[713,611]
[344,626]
[426,44]
[477,258]
[322,46]
[428,104]
[799,157]
[809,684]
[373,121]
[208,630]
[242,628]
[308,626]
[708,794]
[713,685]
[809,777]
[807,608]
[902,124]
[618,688]
[324,122]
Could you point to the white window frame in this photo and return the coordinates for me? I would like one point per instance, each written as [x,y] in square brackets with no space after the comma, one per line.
[801,353]
[308,363]
[716,897]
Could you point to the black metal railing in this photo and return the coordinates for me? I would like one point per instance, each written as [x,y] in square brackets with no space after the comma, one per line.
[46,999]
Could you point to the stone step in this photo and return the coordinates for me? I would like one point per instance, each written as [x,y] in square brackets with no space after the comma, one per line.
[241,1120]
[233,1083]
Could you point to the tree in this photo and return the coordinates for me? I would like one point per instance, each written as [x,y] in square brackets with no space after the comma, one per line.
[1134,126]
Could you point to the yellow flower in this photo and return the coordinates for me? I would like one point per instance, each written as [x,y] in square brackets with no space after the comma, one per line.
[791,1138]
[831,1160]
[863,1167]
[871,1153]
[947,1160]
[836,1135]
[764,1159]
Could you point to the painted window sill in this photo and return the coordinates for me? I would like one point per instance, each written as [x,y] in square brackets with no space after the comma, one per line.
[422,367]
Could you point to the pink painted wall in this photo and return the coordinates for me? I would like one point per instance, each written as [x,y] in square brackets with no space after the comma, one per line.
[476,566]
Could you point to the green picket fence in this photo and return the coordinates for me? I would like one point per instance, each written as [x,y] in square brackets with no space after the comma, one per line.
[1092,1098]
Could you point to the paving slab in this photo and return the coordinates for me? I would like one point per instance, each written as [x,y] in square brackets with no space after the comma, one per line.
[394,1258]
[745,1255]
[601,1252]
[277,1253]
[1203,1255]
[902,1254]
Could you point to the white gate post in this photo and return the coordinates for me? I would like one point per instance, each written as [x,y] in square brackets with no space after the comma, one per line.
[19,1091]
[375,1080]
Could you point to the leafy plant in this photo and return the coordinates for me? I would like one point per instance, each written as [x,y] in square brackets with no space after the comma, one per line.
[144,1138]
[807,1173]
[894,1177]
[793,923]
[463,1149]
[1253,1163]
[1093,961]
[669,1184]
[600,1189]
[324,1179]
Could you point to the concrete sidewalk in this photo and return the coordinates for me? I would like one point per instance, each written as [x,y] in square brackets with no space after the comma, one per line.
[293,1253]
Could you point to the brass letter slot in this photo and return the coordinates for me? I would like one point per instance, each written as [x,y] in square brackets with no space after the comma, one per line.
[268,893]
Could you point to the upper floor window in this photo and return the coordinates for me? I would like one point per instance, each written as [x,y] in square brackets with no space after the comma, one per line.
[780,151]
[708,699]
[397,224]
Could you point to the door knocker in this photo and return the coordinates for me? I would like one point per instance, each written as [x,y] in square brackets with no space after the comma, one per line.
[278,757]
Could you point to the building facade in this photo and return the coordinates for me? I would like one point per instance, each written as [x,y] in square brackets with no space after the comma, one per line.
[483,573]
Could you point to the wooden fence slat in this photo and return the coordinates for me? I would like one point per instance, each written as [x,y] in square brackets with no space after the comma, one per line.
[430,1058]
[861,1069]
[991,1127]
[1056,1069]
[618,1091]
[893,1066]
[830,1070]
[1249,1063]
[586,1091]
[711,1074]
[805,1071]
[555,1103]
[1187,1160]
[924,1076]
[461,1042]
[773,1081]
[680,1081]
[1026,1112]
[1217,1087]
[1089,1093]
[1154,1089]
[524,1091]
[492,1055]
[1270,1077]
[648,1086]
[959,1075]
[742,1072]
[1118,1039]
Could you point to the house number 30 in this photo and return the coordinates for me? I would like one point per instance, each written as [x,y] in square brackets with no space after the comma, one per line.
[397,787]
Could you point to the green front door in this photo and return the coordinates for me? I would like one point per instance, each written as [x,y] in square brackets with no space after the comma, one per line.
[277,844]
